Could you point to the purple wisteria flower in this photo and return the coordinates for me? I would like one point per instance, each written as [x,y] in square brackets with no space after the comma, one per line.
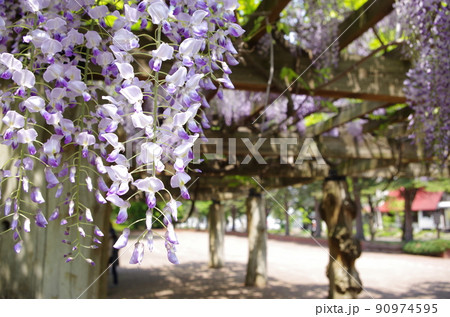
[85,139]
[54,215]
[36,196]
[18,247]
[138,253]
[122,204]
[149,239]
[71,122]
[8,204]
[123,239]
[150,186]
[179,180]
[162,53]
[40,219]
[98,232]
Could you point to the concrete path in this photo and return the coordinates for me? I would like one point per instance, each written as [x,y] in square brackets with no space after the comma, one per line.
[295,271]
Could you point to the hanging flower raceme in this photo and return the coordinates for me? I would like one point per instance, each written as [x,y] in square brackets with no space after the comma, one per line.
[426,25]
[80,113]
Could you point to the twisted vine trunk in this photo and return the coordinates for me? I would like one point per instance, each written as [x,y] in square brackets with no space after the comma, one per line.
[318,218]
[338,211]
[257,241]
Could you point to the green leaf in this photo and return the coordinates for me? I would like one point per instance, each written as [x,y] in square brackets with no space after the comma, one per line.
[329,105]
[110,19]
[316,118]
[255,29]
[288,73]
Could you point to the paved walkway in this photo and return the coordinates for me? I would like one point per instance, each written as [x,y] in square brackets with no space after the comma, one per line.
[295,271]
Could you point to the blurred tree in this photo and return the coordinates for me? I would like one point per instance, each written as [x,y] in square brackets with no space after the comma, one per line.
[290,199]
[234,208]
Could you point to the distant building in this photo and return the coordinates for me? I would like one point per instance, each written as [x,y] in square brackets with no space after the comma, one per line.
[429,207]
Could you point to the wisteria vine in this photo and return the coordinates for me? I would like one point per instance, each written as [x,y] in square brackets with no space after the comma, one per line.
[427,88]
[73,97]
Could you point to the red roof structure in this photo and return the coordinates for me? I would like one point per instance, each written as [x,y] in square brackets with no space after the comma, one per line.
[426,201]
[423,201]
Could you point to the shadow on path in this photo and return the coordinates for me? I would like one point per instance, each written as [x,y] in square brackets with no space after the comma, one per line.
[196,280]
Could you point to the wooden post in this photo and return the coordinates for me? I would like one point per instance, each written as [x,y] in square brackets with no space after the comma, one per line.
[359,219]
[338,211]
[257,241]
[216,225]
[372,219]
[287,216]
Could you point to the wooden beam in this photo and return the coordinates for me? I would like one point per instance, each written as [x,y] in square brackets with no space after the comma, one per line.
[346,114]
[343,147]
[273,170]
[377,78]
[269,9]
[363,19]
[370,147]
[411,170]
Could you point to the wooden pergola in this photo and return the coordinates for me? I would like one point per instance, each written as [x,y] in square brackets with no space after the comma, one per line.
[376,80]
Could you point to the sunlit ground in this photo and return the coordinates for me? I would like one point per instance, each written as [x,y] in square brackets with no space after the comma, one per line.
[295,271]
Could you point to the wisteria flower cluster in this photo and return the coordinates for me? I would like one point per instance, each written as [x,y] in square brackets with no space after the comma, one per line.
[234,106]
[74,96]
[427,88]
[313,28]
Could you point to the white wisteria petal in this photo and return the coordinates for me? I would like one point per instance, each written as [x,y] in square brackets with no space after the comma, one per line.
[55,24]
[98,12]
[158,11]
[198,16]
[164,52]
[141,120]
[24,78]
[126,70]
[231,4]
[34,104]
[178,78]
[51,47]
[133,94]
[190,47]
[125,40]
[55,71]
[12,63]
[131,14]
[26,136]
[39,37]
[149,184]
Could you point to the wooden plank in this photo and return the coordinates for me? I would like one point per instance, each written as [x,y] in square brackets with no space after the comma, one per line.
[267,8]
[377,78]
[363,19]
[343,147]
[346,114]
